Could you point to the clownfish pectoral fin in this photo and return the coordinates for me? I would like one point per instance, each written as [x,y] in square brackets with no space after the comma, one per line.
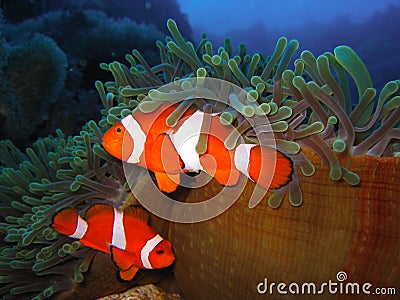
[122,258]
[227,177]
[65,220]
[128,274]
[167,183]
[164,156]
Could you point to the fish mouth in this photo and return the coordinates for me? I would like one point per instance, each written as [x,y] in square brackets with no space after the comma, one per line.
[171,260]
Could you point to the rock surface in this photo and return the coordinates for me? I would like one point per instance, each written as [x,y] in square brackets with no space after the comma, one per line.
[145,292]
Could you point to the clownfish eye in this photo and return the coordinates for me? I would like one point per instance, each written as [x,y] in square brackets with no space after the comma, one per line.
[160,251]
[119,129]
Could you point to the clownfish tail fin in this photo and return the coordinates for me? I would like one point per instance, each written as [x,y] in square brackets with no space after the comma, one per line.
[283,171]
[65,221]
[257,163]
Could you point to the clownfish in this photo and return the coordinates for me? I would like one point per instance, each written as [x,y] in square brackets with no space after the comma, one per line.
[132,243]
[145,139]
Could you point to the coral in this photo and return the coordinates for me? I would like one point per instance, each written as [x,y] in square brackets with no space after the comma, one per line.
[82,34]
[146,292]
[32,80]
[3,46]
[310,106]
[141,11]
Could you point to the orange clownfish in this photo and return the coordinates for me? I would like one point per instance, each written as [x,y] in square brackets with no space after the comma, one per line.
[132,243]
[146,140]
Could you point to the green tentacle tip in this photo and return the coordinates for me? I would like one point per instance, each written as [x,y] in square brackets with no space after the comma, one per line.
[265,107]
[186,85]
[350,177]
[339,145]
[392,104]
[273,108]
[312,129]
[284,112]
[155,95]
[230,143]
[201,148]
[233,66]
[159,44]
[389,89]
[248,111]
[295,195]
[104,66]
[61,252]
[280,126]
[288,146]
[149,106]
[66,248]
[216,60]
[100,88]
[260,87]
[208,47]
[48,292]
[352,63]
[332,120]
[74,186]
[76,245]
[115,110]
[201,72]
[171,24]
[275,200]
[175,116]
[307,168]
[129,58]
[232,139]
[111,119]
[78,276]
[257,80]
[335,172]
[226,118]
[252,96]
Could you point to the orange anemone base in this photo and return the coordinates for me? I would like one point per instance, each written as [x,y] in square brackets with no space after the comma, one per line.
[354,229]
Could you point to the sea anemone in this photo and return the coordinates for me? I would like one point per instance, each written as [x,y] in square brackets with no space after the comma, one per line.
[37,262]
[336,138]
[311,106]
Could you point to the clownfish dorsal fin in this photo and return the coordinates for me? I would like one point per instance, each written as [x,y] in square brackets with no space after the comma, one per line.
[99,209]
[137,212]
[122,258]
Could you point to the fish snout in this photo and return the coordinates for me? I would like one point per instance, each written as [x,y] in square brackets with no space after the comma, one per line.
[170,259]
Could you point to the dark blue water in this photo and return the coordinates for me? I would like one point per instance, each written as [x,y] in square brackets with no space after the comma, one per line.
[91,32]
